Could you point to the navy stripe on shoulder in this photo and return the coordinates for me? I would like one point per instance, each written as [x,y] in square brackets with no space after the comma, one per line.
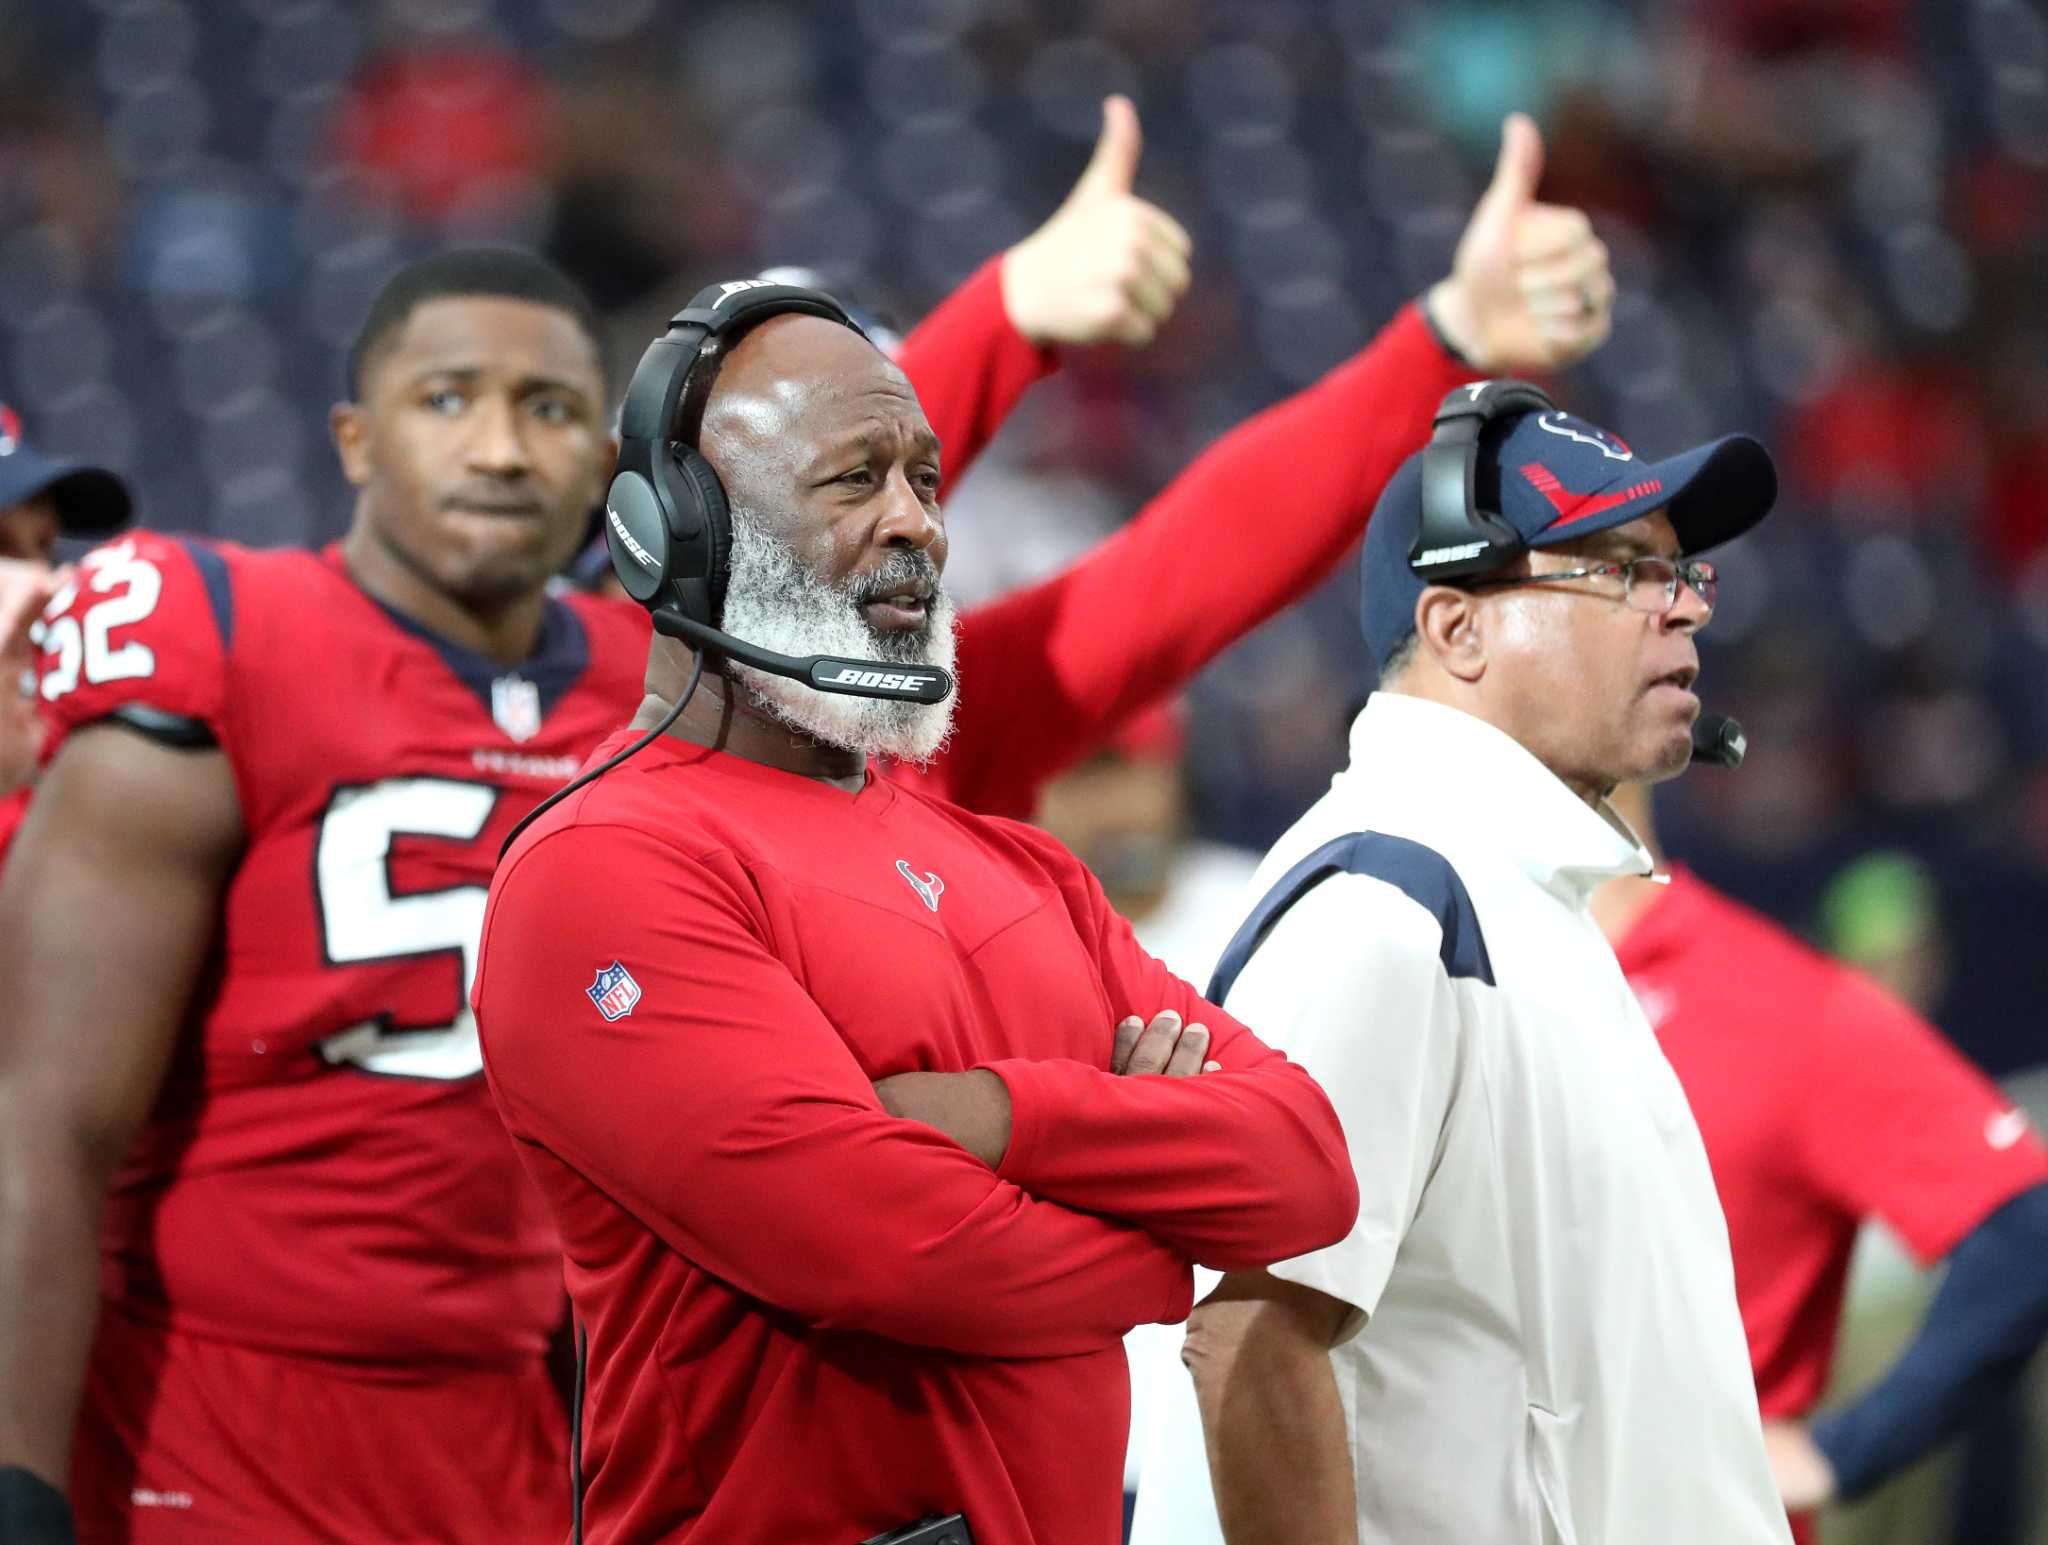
[170,729]
[213,573]
[1421,873]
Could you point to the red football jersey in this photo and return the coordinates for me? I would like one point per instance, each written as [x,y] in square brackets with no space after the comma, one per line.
[323,1172]
[1823,1101]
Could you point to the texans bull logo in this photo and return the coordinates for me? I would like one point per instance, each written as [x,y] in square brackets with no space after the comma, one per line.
[1608,445]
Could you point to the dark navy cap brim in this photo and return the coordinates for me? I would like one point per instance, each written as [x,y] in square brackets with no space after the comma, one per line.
[89,501]
[1712,493]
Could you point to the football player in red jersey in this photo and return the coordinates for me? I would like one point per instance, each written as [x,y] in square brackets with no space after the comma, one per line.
[278,780]
[313,1216]
[1824,1100]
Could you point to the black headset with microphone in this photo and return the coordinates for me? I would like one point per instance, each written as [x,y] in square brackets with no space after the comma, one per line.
[668,526]
[1457,539]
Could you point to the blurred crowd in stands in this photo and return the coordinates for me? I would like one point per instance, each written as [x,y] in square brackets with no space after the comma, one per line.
[1828,220]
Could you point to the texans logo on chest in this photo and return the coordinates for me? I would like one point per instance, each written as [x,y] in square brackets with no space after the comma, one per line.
[929,886]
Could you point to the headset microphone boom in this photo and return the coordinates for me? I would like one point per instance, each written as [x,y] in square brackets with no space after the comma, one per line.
[1718,740]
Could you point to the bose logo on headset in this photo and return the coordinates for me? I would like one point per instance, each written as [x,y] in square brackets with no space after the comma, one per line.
[1448,554]
[641,555]
[887,681]
[734,287]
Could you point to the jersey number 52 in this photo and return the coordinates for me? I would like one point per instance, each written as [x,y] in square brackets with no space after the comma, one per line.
[79,648]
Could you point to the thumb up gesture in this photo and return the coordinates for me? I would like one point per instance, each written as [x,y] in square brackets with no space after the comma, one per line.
[1107,265]
[1529,288]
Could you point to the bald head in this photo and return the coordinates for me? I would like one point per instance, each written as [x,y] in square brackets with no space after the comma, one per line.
[789,382]
[821,439]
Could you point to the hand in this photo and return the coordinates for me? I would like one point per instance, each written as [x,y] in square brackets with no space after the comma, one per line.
[1805,1478]
[972,1108]
[1161,1047]
[1107,266]
[1529,288]
[25,589]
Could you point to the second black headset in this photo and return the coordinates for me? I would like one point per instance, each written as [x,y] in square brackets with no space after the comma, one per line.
[667,524]
[1457,538]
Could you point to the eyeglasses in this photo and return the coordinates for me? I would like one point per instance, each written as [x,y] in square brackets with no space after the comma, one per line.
[1649,584]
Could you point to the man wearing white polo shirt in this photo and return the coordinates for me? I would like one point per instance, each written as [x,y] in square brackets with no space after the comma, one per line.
[1531,1335]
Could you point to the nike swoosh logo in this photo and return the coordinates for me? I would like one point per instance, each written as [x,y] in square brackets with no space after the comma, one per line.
[1572,507]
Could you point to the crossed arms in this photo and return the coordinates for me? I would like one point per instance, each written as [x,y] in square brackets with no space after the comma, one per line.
[736,1125]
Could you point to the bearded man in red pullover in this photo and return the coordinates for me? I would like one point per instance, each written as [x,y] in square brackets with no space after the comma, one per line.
[829,1083]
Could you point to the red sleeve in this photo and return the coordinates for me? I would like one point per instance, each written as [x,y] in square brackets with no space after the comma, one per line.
[1899,1125]
[969,366]
[145,624]
[1255,523]
[1235,1169]
[727,1116]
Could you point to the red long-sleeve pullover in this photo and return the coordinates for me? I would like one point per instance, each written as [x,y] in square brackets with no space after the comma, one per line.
[809,1320]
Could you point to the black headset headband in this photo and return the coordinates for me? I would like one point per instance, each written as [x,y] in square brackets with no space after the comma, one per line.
[719,311]
[1457,538]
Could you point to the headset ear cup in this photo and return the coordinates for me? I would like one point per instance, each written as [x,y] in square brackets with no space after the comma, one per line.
[715,517]
[1458,538]
[702,526]
[636,534]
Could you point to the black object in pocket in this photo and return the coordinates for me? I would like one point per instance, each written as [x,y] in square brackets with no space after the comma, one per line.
[950,1530]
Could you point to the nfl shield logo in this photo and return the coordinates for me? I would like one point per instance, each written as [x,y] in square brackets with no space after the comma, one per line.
[515,704]
[614,992]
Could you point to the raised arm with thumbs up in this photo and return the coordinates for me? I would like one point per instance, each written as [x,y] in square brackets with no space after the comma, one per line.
[1108,266]
[1529,288]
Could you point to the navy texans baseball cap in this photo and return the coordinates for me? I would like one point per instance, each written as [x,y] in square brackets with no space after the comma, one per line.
[89,500]
[1555,477]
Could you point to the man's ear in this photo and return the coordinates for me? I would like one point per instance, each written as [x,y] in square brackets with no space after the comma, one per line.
[1447,626]
[349,426]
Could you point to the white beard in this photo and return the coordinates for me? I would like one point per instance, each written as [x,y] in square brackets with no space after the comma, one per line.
[773,599]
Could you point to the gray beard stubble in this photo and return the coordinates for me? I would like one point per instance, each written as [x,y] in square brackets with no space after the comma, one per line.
[775,600]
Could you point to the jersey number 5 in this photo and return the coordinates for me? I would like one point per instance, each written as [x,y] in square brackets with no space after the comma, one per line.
[362,921]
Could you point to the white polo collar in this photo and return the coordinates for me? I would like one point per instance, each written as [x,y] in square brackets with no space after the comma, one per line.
[1462,777]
